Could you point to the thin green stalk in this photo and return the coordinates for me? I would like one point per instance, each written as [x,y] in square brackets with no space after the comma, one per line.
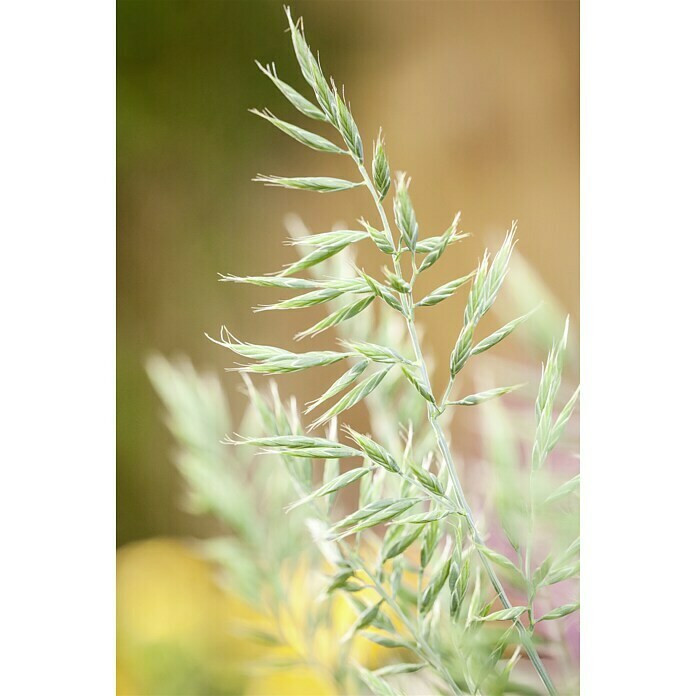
[433,413]
[528,550]
[446,395]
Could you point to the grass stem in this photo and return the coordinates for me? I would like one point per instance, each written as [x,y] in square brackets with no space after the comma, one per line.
[433,413]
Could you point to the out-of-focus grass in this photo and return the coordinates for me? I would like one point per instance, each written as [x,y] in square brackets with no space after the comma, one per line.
[182,632]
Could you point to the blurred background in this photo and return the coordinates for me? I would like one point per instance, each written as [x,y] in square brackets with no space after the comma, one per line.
[479,102]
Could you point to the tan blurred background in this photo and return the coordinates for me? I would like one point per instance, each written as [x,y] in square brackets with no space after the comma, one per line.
[479,102]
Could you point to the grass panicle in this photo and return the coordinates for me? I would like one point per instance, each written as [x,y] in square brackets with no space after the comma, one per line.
[435,587]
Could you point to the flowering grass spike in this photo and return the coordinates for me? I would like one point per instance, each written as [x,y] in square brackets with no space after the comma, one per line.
[428,587]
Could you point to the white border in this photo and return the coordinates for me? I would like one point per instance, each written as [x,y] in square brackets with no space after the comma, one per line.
[638,272]
[57,283]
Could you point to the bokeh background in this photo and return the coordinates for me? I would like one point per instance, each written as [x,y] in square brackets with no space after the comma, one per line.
[479,101]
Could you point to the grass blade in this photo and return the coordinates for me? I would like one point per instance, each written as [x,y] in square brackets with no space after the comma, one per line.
[444,291]
[303,105]
[332,486]
[337,317]
[475,399]
[320,184]
[354,396]
[343,382]
[311,140]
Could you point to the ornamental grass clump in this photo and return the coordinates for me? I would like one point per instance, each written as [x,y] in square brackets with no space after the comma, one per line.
[411,559]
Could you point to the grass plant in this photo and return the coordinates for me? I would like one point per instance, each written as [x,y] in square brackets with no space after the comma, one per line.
[410,558]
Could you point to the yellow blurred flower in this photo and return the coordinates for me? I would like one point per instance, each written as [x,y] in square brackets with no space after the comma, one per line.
[173,624]
[300,681]
[180,633]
